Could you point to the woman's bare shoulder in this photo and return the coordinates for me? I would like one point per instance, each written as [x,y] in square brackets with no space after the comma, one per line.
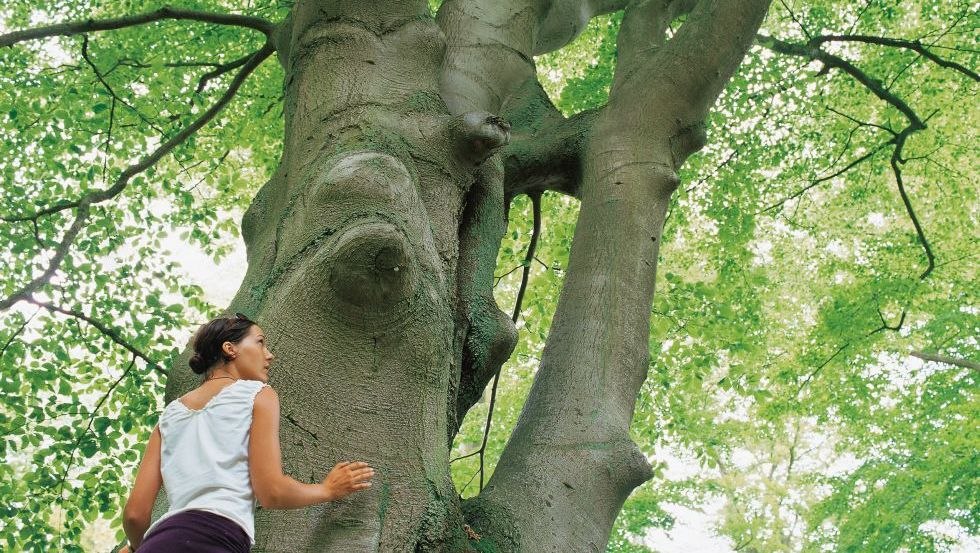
[266,398]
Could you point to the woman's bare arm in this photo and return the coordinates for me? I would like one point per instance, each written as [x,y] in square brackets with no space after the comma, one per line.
[139,506]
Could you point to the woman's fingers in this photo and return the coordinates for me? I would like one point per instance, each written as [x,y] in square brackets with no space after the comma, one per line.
[356,473]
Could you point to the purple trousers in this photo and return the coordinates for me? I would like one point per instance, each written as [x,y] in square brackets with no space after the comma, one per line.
[196,531]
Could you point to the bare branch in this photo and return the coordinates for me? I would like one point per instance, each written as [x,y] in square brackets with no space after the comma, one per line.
[938,358]
[914,45]
[896,159]
[166,13]
[832,61]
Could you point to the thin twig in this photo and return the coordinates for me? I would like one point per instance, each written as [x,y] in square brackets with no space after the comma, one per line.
[13,335]
[831,61]
[820,368]
[61,251]
[816,182]
[812,51]
[221,70]
[861,123]
[99,196]
[91,420]
[110,333]
[528,258]
[116,97]
[795,19]
[108,141]
[532,246]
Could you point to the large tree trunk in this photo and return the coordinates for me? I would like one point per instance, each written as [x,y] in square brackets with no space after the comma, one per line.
[371,252]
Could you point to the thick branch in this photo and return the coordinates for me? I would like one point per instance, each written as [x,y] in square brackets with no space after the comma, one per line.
[570,463]
[563,20]
[487,336]
[700,58]
[506,34]
[546,150]
[67,29]
[528,258]
[938,358]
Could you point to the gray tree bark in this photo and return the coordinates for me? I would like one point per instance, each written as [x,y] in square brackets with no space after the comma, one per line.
[371,254]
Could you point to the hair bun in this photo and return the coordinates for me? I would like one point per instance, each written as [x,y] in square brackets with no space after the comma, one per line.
[197,363]
[208,340]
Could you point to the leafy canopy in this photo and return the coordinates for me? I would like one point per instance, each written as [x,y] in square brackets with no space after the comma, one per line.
[791,300]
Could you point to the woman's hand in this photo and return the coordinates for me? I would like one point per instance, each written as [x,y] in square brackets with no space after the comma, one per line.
[346,478]
[125,549]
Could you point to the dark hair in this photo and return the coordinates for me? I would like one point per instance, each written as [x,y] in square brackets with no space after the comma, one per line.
[208,340]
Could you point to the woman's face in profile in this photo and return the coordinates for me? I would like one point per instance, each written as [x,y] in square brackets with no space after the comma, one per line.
[253,357]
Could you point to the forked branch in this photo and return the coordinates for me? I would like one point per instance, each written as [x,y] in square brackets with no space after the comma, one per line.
[82,205]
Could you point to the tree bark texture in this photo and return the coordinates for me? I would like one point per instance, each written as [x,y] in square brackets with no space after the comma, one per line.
[371,254]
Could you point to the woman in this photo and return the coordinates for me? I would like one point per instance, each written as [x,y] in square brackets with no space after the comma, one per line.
[216,451]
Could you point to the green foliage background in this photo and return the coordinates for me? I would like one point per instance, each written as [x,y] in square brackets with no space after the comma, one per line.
[780,382]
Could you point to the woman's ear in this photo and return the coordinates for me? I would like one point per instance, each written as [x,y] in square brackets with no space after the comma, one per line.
[229,349]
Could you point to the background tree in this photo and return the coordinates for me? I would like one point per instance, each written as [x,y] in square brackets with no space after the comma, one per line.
[820,241]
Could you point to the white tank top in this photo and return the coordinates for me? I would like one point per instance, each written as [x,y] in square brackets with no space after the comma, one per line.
[204,456]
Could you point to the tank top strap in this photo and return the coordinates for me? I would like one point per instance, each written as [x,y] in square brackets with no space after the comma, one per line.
[241,392]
